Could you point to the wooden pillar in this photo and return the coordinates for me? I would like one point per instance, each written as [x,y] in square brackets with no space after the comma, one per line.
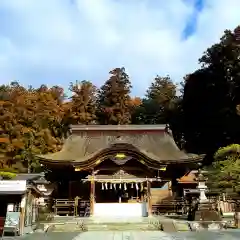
[170,193]
[149,198]
[92,195]
[22,214]
[23,206]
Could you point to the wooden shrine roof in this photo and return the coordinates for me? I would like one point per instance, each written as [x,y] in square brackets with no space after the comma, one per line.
[152,148]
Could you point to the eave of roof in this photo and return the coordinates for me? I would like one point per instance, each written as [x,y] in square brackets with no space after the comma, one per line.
[117,127]
[151,148]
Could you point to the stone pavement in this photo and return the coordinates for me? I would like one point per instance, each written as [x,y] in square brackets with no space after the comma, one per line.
[133,235]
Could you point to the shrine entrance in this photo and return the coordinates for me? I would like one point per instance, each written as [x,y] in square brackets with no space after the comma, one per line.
[120,195]
[118,192]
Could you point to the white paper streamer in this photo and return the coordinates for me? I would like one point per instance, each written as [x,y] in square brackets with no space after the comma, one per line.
[102,186]
[125,186]
[114,185]
[120,186]
[132,185]
[137,186]
[110,185]
[106,186]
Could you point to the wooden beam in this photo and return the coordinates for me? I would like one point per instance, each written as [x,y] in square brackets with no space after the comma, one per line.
[149,198]
[124,168]
[92,195]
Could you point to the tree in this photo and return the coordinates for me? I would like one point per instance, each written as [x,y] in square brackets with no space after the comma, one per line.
[114,101]
[224,173]
[162,89]
[82,109]
[30,123]
[211,98]
[158,103]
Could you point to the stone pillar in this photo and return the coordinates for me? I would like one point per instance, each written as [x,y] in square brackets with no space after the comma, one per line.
[237,216]
[92,195]
[237,219]
[149,198]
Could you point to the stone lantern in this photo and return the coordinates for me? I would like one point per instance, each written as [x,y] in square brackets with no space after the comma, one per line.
[202,187]
[204,211]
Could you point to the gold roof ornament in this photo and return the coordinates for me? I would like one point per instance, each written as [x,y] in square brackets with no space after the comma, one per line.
[98,161]
[120,155]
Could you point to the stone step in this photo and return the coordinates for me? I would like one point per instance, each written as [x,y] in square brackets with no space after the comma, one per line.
[169,227]
[76,227]
[66,228]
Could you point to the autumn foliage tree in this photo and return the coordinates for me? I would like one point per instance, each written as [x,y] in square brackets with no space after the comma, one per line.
[82,108]
[30,123]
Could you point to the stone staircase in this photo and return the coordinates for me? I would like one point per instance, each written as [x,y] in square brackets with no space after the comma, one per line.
[68,224]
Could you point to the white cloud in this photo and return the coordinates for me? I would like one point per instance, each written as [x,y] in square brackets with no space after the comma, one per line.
[56,42]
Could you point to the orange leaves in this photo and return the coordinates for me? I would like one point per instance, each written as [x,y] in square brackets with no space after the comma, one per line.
[17,143]
[4,140]
[30,120]
[135,101]
[82,108]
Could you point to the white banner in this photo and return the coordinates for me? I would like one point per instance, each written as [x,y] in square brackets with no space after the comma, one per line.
[13,186]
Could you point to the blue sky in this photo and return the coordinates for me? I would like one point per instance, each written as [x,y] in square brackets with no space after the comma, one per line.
[59,41]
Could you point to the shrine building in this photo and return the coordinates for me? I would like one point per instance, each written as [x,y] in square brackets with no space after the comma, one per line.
[121,170]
